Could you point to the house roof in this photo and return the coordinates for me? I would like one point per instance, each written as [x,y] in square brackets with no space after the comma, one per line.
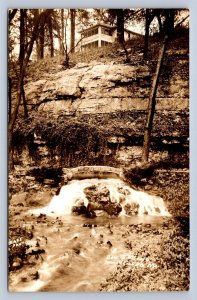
[133,32]
[109,27]
[97,25]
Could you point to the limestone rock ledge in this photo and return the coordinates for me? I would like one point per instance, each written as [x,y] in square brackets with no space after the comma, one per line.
[104,88]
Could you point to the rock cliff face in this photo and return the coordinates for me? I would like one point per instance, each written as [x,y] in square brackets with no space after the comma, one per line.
[105,88]
[112,98]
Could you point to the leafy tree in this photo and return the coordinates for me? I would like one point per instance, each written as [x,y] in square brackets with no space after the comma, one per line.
[38,21]
[79,18]
[166,19]
[169,28]
[46,33]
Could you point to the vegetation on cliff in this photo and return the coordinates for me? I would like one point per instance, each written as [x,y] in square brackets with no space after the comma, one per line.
[42,143]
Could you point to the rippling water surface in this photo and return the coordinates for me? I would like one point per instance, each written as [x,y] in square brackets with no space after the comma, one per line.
[78,251]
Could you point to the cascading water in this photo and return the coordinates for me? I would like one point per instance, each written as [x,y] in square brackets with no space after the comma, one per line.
[81,252]
[78,194]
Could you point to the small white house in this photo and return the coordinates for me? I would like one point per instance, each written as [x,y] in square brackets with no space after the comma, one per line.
[101,35]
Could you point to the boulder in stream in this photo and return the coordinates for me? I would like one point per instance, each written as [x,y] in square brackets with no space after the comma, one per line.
[99,199]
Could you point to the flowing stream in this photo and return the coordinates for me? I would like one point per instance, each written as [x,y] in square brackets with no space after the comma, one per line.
[79,249]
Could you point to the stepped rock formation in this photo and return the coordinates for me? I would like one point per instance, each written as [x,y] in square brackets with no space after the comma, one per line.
[112,98]
[104,88]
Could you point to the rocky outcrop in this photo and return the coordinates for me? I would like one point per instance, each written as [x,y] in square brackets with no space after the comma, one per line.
[106,105]
[104,88]
[99,199]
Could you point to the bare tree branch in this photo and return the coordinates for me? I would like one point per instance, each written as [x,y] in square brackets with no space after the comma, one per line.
[181,22]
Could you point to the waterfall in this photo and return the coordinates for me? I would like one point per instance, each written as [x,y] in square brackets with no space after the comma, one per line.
[106,195]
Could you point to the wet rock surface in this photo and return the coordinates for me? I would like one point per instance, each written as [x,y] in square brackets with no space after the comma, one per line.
[99,199]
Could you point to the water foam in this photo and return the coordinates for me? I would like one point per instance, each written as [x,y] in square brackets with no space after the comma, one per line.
[73,194]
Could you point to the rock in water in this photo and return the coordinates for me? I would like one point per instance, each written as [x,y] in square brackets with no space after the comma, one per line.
[79,210]
[99,199]
[113,209]
[131,208]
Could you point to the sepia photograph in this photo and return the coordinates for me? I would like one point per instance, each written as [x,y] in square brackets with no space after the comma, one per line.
[98,150]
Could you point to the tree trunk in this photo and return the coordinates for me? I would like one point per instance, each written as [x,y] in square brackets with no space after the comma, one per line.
[9,98]
[39,39]
[22,54]
[120,25]
[62,39]
[66,61]
[160,23]
[37,49]
[41,42]
[62,24]
[151,104]
[61,46]
[11,15]
[24,102]
[51,36]
[22,34]
[26,30]
[13,120]
[38,20]
[169,22]
[146,37]
[40,35]
[72,30]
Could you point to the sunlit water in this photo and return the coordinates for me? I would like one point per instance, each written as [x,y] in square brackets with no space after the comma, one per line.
[73,193]
[77,257]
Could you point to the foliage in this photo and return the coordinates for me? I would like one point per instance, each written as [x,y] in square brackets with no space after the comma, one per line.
[137,173]
[73,142]
[17,243]
[86,140]
[160,261]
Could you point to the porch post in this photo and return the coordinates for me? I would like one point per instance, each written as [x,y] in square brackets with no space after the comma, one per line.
[99,36]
